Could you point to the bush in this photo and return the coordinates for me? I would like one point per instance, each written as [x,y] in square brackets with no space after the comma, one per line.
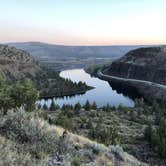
[24,129]
[157,137]
[76,161]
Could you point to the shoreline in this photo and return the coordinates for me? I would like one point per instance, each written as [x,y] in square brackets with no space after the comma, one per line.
[66,94]
[149,91]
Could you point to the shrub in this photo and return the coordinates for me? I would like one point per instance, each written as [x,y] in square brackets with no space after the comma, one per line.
[24,129]
[76,161]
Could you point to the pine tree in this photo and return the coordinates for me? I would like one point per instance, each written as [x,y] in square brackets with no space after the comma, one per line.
[52,106]
[45,107]
[94,105]
[77,106]
[87,106]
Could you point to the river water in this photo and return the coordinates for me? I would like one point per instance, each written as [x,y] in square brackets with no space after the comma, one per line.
[102,94]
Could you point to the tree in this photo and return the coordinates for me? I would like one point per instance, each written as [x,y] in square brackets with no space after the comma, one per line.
[24,94]
[52,106]
[94,105]
[45,107]
[6,102]
[31,95]
[87,106]
[148,132]
[77,106]
[132,115]
[162,137]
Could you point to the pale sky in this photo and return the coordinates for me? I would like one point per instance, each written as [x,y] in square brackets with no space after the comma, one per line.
[84,22]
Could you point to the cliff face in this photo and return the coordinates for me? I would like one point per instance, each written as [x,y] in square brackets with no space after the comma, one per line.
[16,64]
[144,64]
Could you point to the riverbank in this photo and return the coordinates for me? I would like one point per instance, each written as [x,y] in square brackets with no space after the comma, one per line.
[50,84]
[68,93]
[102,92]
[133,88]
[148,90]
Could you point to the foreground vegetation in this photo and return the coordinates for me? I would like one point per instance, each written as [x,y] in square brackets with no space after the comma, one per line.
[128,127]
[28,136]
[33,138]
[26,139]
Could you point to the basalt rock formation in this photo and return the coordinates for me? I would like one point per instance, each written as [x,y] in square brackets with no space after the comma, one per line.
[143,64]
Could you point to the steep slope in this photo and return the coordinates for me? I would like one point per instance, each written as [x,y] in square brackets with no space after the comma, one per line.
[143,64]
[16,64]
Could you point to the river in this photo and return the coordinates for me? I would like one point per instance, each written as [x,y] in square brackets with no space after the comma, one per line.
[102,94]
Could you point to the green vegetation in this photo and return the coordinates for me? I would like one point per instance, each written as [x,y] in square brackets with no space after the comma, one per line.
[117,126]
[35,140]
[93,69]
[157,137]
[54,85]
[87,106]
[20,94]
[26,139]
[79,121]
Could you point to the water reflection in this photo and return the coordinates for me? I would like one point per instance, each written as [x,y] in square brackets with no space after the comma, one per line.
[103,93]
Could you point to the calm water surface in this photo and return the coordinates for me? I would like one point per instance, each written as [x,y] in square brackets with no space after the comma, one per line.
[102,94]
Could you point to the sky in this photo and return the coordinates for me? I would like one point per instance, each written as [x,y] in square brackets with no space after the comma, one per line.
[84,22]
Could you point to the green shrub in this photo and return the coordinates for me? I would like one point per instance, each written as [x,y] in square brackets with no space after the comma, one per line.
[76,161]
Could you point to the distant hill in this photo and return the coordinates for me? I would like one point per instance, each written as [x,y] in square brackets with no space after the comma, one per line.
[50,51]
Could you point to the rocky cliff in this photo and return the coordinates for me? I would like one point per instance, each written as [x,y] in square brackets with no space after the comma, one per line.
[16,64]
[144,64]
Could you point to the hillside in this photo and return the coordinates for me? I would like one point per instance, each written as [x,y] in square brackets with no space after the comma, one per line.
[144,64]
[64,57]
[140,73]
[44,50]
[44,144]
[16,64]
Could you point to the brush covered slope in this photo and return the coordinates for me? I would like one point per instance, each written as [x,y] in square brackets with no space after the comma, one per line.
[143,64]
[16,64]
[26,139]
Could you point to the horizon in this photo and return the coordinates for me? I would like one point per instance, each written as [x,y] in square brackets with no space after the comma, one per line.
[84,23]
[68,45]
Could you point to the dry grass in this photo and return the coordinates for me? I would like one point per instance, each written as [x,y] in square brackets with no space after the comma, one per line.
[73,145]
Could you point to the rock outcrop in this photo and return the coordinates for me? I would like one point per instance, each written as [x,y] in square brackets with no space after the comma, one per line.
[143,64]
